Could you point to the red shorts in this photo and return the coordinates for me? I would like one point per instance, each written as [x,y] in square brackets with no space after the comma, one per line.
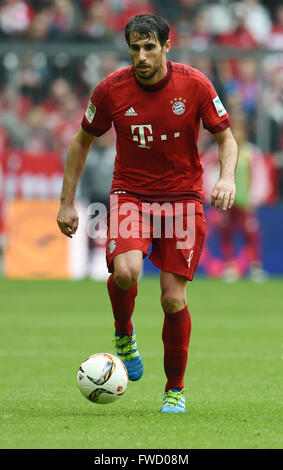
[176,231]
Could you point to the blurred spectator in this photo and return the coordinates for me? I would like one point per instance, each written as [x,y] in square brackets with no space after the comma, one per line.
[65,121]
[272,102]
[242,89]
[238,35]
[201,34]
[275,37]
[63,20]
[38,137]
[226,77]
[94,187]
[97,175]
[60,89]
[194,33]
[40,26]
[219,16]
[238,229]
[32,76]
[52,124]
[242,217]
[257,18]
[89,71]
[248,85]
[14,108]
[15,16]
[95,25]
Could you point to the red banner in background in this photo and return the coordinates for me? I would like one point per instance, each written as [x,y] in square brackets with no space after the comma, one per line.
[29,175]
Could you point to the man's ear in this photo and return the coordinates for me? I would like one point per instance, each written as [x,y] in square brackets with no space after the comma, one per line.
[167,46]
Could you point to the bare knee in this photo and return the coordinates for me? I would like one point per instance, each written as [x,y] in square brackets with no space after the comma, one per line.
[173,292]
[127,268]
[126,277]
[172,303]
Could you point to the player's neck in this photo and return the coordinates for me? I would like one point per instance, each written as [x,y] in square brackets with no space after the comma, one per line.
[160,74]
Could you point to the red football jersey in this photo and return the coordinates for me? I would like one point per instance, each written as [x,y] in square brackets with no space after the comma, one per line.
[157,129]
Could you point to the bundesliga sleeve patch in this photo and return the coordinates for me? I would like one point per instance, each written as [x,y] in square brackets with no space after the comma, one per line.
[90,111]
[219,106]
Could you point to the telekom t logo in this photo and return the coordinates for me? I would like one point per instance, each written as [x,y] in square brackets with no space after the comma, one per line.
[141,138]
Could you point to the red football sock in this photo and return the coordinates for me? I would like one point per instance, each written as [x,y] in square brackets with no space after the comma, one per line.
[176,338]
[123,303]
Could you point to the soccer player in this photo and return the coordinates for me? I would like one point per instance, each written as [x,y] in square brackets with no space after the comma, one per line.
[155,106]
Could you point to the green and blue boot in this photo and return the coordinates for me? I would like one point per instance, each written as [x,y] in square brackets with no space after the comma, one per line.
[127,351]
[174,401]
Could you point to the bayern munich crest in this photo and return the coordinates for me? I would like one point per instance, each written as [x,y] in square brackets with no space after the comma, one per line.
[178,106]
[112,246]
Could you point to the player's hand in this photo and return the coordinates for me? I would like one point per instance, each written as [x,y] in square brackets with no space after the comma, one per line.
[68,220]
[223,194]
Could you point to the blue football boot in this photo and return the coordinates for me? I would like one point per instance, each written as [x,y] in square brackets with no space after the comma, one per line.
[174,401]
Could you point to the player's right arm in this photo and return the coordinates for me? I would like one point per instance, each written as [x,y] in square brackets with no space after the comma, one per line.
[67,217]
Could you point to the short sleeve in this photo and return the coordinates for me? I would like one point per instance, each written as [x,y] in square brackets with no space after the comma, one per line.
[212,112]
[97,119]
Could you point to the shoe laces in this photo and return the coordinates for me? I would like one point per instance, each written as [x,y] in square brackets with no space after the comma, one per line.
[172,398]
[126,346]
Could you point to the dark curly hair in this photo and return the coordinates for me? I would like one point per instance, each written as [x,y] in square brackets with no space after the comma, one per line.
[147,25]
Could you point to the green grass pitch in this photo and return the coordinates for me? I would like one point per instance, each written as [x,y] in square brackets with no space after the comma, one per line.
[233,380]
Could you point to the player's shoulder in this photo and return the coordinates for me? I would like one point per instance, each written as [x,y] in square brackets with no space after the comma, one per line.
[184,70]
[117,77]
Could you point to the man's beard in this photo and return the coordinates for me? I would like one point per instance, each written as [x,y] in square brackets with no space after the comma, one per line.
[151,72]
[146,76]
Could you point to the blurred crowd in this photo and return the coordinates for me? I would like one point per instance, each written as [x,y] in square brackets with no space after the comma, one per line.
[246,23]
[43,97]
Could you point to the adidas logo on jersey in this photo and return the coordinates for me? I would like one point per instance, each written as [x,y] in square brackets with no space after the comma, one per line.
[130,112]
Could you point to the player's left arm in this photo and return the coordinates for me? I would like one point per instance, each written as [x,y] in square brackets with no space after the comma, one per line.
[223,193]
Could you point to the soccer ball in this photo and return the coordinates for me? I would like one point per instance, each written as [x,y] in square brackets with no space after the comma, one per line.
[102,378]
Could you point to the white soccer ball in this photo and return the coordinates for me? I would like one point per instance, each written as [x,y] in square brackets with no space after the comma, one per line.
[102,378]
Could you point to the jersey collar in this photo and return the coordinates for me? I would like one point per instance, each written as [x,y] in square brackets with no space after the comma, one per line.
[159,85]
